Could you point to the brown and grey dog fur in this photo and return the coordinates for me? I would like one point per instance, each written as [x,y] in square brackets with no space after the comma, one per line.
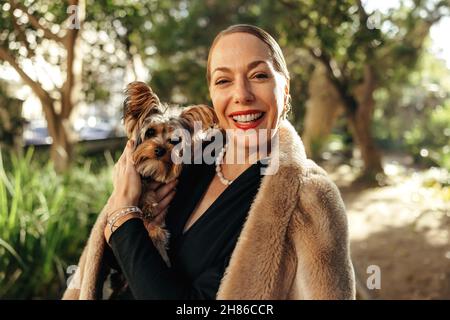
[157,129]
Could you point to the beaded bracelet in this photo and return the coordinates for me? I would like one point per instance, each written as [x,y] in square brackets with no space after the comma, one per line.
[122,212]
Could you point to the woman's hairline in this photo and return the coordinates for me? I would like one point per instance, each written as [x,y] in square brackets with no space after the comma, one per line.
[248,30]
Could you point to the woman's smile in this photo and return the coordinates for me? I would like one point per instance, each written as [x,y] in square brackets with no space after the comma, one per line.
[246,89]
[247,119]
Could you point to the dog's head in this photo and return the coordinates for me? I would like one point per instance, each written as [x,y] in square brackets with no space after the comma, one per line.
[156,130]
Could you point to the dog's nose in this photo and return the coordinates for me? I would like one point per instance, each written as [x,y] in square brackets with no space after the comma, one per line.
[159,152]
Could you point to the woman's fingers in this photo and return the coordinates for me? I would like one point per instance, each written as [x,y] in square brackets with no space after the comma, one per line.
[122,159]
[129,151]
[129,163]
[164,189]
[164,195]
[153,185]
[161,189]
[119,167]
[163,205]
[123,156]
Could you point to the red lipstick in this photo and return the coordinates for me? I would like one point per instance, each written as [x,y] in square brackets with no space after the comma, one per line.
[244,112]
[247,125]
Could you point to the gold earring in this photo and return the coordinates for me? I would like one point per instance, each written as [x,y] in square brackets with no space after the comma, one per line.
[287,107]
[284,114]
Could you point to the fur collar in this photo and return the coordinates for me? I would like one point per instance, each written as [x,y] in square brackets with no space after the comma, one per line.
[258,255]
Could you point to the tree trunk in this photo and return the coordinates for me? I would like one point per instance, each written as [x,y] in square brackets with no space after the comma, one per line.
[360,123]
[61,150]
[323,107]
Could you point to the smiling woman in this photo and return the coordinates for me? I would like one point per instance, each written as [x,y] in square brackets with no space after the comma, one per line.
[249,84]
[236,232]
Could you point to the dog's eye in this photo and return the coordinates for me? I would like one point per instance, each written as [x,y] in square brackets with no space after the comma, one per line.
[149,133]
[175,140]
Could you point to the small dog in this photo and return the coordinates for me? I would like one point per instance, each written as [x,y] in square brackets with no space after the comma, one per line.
[155,128]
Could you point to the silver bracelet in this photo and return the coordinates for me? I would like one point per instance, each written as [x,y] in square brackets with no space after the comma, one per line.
[122,212]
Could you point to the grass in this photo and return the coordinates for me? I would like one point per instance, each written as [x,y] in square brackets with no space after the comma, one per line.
[45,221]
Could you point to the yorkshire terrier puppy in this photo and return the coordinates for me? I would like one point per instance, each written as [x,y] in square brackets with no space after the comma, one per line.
[156,128]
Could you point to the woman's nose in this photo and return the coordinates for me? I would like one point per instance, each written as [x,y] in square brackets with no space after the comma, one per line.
[243,93]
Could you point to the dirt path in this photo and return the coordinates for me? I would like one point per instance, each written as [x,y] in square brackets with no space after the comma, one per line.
[403,228]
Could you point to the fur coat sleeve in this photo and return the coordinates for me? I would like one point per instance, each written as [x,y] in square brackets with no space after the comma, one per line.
[324,268]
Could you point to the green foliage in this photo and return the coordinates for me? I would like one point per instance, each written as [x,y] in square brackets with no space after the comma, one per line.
[414,115]
[44,223]
[427,139]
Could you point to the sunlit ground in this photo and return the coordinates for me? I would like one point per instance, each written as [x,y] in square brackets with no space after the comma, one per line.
[404,228]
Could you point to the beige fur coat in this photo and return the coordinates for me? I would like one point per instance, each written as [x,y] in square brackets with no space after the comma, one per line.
[294,243]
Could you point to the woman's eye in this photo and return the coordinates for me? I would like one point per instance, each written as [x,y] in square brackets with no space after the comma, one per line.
[175,140]
[222,81]
[149,133]
[261,76]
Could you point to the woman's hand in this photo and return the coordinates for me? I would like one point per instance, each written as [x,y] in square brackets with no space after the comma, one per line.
[126,181]
[164,193]
[128,187]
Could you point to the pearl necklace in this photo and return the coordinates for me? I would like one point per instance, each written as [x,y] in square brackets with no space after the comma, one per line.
[219,173]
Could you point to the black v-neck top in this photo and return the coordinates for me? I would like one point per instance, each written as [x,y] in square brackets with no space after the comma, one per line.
[199,256]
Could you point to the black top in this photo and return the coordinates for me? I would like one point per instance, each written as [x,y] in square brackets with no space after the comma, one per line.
[198,257]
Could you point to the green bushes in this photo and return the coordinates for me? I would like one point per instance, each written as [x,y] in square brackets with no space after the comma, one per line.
[45,220]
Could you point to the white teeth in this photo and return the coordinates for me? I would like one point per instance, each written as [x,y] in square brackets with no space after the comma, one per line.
[247,117]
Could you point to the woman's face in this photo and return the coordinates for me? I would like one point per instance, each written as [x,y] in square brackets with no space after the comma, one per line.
[245,89]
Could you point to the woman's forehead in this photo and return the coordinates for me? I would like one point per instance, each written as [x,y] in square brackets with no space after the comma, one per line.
[239,48]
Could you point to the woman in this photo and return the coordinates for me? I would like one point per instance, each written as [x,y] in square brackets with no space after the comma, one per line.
[277,236]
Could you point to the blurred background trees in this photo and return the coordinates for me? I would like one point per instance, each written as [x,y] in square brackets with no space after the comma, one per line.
[364,84]
[46,33]
[343,51]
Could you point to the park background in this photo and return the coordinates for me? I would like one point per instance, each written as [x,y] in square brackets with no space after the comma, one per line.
[370,87]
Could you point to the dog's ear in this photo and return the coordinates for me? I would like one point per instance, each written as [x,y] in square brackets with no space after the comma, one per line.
[140,103]
[201,113]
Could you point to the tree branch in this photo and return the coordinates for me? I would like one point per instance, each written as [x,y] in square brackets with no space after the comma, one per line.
[339,83]
[435,15]
[363,16]
[6,56]
[289,5]
[46,101]
[70,44]
[35,22]
[22,37]
[44,97]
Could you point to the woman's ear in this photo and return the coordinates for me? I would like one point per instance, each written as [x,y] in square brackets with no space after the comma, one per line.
[140,103]
[286,102]
[286,92]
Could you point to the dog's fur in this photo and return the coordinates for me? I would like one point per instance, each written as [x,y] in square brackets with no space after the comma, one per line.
[156,130]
